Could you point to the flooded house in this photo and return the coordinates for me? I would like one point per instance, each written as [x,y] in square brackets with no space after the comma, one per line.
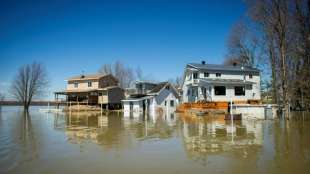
[151,98]
[97,89]
[220,83]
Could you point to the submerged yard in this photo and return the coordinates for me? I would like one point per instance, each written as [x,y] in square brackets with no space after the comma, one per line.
[175,143]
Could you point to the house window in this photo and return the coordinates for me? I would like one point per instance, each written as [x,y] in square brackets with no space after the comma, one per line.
[89,84]
[76,84]
[172,103]
[188,92]
[206,74]
[239,91]
[167,87]
[195,75]
[218,74]
[102,93]
[220,90]
[93,93]
[250,76]
[165,103]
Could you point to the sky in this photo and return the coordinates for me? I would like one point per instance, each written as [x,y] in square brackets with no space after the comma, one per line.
[70,37]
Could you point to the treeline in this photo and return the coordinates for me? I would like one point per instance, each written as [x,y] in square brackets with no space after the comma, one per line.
[127,75]
[275,36]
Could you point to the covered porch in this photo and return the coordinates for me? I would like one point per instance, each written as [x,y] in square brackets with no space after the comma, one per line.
[89,97]
[210,90]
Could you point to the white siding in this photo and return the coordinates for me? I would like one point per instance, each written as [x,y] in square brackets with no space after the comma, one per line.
[167,96]
[253,93]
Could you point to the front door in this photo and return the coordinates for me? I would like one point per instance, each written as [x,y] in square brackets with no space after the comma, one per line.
[204,92]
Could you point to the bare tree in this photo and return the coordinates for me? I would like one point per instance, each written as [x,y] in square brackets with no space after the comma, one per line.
[30,82]
[2,96]
[273,17]
[301,19]
[123,73]
[139,73]
[177,82]
[242,46]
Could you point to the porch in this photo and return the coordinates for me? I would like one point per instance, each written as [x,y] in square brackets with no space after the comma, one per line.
[89,97]
[220,90]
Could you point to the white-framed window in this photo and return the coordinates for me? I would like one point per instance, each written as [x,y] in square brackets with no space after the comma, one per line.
[218,74]
[239,91]
[250,76]
[171,103]
[206,74]
[220,90]
[89,84]
[195,75]
[76,84]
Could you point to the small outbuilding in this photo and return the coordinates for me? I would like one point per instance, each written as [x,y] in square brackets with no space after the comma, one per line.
[162,98]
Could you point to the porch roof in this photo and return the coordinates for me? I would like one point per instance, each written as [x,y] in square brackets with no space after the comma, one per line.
[137,98]
[226,81]
[65,92]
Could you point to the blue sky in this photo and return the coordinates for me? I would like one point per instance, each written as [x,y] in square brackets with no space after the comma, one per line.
[69,37]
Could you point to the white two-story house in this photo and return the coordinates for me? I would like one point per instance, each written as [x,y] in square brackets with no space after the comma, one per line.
[209,82]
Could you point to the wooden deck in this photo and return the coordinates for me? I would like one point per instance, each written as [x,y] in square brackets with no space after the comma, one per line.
[211,105]
[202,106]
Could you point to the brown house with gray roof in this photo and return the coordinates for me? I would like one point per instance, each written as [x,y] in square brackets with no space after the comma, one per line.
[97,89]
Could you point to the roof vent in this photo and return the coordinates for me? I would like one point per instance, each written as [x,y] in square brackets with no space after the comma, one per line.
[203,62]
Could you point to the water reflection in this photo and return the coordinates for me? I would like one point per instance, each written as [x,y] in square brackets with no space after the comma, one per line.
[171,143]
[18,140]
[114,131]
[201,135]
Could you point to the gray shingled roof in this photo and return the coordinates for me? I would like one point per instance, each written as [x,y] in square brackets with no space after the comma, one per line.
[86,77]
[221,67]
[157,88]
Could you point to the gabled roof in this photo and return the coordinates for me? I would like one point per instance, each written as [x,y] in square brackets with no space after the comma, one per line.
[216,67]
[160,86]
[87,77]
[157,88]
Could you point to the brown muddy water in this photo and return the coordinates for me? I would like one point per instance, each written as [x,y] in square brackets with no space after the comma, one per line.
[56,143]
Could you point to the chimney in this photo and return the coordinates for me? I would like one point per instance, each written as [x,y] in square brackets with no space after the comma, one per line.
[203,62]
[82,75]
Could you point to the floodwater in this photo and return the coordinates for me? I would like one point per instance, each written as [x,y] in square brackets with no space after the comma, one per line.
[56,143]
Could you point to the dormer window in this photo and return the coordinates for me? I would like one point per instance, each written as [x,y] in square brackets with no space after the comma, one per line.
[250,76]
[167,87]
[195,75]
[218,74]
[206,74]
[89,84]
[76,84]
